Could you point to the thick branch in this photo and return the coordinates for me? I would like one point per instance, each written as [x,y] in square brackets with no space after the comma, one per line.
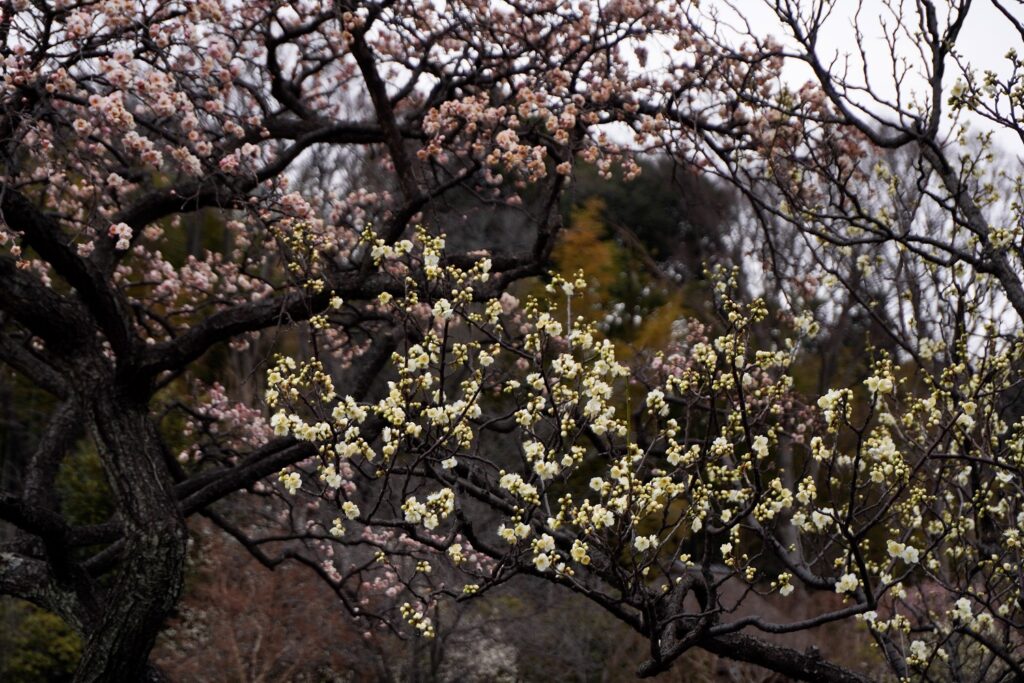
[30,579]
[23,360]
[43,234]
[39,309]
[802,666]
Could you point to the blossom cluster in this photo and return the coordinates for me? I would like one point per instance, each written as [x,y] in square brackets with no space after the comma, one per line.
[602,470]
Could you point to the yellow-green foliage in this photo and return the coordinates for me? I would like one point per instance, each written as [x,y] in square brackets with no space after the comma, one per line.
[614,273]
[35,646]
[82,486]
[585,245]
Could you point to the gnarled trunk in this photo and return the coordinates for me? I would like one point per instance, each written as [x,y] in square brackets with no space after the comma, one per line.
[149,580]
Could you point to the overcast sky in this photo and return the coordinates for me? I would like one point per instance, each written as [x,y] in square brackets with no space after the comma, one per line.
[984,40]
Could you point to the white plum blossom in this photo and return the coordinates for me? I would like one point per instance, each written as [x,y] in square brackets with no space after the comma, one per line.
[907,553]
[847,583]
[443,309]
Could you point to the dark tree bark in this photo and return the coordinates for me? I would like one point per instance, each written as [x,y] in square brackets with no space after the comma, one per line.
[147,585]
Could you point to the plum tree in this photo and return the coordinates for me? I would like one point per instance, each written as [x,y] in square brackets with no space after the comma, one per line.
[410,431]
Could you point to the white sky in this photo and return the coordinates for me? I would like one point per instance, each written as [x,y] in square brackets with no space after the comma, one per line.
[983,41]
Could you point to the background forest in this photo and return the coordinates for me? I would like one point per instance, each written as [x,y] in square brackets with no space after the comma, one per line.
[528,340]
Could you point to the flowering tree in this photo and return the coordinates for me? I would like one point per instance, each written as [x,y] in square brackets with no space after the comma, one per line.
[874,194]
[424,435]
